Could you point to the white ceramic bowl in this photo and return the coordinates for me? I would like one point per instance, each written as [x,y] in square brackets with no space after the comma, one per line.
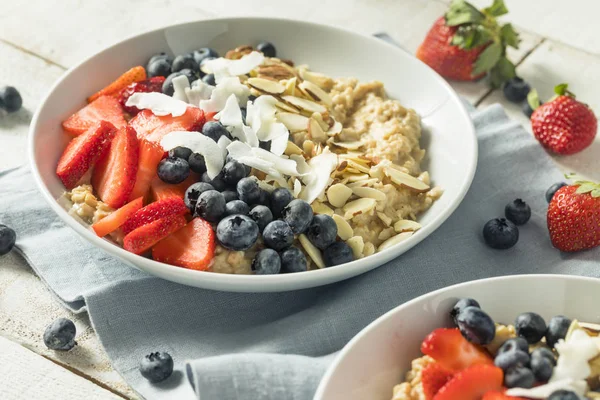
[377,358]
[449,134]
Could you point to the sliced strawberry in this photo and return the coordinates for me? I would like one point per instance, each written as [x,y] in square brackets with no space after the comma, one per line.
[144,237]
[472,383]
[135,74]
[150,155]
[193,246]
[153,128]
[160,190]
[153,84]
[114,221]
[104,108]
[83,152]
[499,395]
[433,378]
[210,116]
[114,175]
[155,211]
[449,348]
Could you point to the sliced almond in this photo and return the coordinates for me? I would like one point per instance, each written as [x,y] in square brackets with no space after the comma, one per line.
[335,129]
[405,180]
[369,249]
[316,92]
[323,81]
[407,225]
[357,207]
[290,86]
[316,132]
[357,245]
[588,326]
[304,104]
[300,92]
[338,195]
[276,71]
[349,145]
[312,251]
[401,237]
[308,146]
[360,180]
[294,122]
[369,193]
[320,208]
[358,166]
[287,107]
[384,218]
[344,229]
[292,148]
[319,118]
[266,85]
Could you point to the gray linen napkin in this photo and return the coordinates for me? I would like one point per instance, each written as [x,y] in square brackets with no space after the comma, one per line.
[277,346]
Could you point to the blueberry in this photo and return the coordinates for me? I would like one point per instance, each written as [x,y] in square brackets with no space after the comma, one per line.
[262,215]
[267,49]
[543,352]
[209,79]
[542,369]
[515,90]
[531,327]
[527,110]
[217,182]
[518,212]
[266,262]
[10,99]
[156,367]
[322,231]
[173,170]
[236,207]
[205,52]
[167,87]
[564,395]
[280,198]
[337,253]
[553,189]
[461,305]
[248,190]
[476,325]
[298,214]
[514,344]
[557,329]
[233,171]
[197,163]
[265,145]
[278,235]
[510,359]
[60,335]
[237,232]
[215,130]
[185,61]
[210,205]
[499,233]
[193,192]
[8,237]
[180,152]
[229,195]
[160,56]
[293,260]
[264,199]
[159,68]
[519,376]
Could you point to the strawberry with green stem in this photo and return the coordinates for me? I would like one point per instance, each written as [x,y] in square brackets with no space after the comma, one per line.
[467,44]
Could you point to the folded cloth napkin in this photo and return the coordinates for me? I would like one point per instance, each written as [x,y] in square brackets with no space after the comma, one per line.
[277,345]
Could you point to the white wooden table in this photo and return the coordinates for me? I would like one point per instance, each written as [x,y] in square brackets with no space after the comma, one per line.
[39,41]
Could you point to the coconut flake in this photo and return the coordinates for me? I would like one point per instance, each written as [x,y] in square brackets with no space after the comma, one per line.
[573,356]
[271,130]
[220,95]
[544,391]
[223,68]
[160,104]
[316,181]
[279,144]
[199,91]
[260,112]
[223,143]
[251,137]
[198,143]
[231,114]
[237,132]
[297,188]
[301,166]
[239,149]
[180,84]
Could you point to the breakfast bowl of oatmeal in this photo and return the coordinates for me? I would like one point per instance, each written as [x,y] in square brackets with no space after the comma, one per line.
[509,338]
[253,154]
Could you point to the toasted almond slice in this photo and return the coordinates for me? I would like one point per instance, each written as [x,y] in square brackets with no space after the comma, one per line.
[287,107]
[316,92]
[316,132]
[401,237]
[360,180]
[369,249]
[294,122]
[384,218]
[336,129]
[338,195]
[320,208]
[344,229]
[292,148]
[357,245]
[370,193]
[323,81]
[407,225]
[266,85]
[312,251]
[304,104]
[405,180]
[349,145]
[357,207]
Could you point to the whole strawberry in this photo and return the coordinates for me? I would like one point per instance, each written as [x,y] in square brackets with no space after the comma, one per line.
[466,43]
[564,125]
[574,217]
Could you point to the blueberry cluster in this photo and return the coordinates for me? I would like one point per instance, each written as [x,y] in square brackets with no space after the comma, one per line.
[502,233]
[521,367]
[10,99]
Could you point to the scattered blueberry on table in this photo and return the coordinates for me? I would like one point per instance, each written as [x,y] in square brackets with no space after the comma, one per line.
[499,233]
[518,212]
[156,367]
[10,99]
[553,189]
[60,335]
[516,90]
[8,238]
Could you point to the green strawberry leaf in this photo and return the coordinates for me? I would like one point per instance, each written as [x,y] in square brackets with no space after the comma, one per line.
[561,89]
[533,99]
[470,36]
[496,9]
[461,12]
[596,193]
[586,188]
[501,72]
[509,36]
[488,58]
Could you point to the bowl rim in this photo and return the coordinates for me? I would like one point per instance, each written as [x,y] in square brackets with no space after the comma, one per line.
[188,276]
[423,298]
